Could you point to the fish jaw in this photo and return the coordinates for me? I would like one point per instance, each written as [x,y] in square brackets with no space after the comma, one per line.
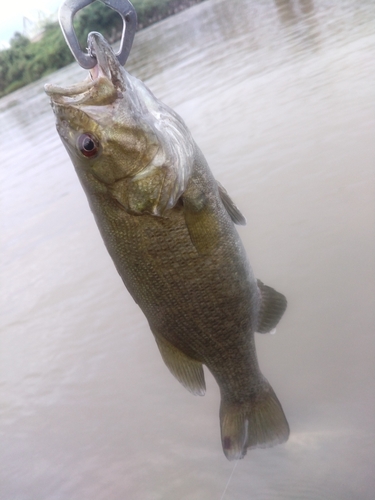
[105,83]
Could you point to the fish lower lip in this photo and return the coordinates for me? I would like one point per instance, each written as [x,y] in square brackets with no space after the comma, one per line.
[73,90]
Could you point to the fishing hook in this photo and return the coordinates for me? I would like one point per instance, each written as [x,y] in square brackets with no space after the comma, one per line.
[86,60]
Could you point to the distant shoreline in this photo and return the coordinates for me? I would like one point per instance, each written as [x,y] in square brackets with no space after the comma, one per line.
[174,7]
[27,61]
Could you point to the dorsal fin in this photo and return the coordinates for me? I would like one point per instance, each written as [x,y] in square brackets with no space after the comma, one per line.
[230,206]
[186,370]
[273,305]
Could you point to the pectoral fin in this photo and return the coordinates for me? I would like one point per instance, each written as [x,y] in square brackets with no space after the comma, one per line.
[200,220]
[186,370]
[230,207]
[273,305]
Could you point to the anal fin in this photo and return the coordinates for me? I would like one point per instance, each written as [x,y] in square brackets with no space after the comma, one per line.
[273,305]
[187,371]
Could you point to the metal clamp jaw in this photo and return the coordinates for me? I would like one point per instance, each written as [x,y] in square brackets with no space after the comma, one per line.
[86,60]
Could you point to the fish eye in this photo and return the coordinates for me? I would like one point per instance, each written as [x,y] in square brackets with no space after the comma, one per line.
[88,145]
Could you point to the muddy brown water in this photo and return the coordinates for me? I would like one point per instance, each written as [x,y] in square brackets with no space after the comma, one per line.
[280,96]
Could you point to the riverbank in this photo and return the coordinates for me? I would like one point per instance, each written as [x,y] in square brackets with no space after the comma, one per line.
[25,61]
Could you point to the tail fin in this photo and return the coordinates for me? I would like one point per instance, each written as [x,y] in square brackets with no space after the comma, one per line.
[258,422]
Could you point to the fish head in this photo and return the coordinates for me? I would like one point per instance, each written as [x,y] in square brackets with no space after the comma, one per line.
[116,131]
[101,121]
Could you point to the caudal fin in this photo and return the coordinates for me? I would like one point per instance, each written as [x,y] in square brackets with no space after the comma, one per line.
[258,422]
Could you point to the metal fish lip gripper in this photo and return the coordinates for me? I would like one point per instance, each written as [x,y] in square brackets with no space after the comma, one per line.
[88,60]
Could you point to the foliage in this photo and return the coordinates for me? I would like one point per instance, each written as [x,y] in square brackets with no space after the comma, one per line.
[26,61]
[97,17]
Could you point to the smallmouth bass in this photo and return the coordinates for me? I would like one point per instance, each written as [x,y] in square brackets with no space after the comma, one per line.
[169,227]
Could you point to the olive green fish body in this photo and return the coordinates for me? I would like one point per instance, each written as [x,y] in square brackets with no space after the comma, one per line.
[169,228]
[204,304]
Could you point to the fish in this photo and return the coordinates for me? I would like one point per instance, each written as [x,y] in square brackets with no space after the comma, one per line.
[169,227]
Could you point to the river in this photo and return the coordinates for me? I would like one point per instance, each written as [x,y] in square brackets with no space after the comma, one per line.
[280,96]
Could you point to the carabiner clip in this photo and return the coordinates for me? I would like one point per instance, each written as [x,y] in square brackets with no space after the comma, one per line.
[129,17]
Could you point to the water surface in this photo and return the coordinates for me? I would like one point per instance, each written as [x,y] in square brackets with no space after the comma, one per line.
[280,97]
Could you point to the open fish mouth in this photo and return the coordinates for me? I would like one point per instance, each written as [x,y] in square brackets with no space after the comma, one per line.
[105,81]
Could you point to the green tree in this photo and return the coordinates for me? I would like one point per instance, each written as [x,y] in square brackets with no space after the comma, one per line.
[25,61]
